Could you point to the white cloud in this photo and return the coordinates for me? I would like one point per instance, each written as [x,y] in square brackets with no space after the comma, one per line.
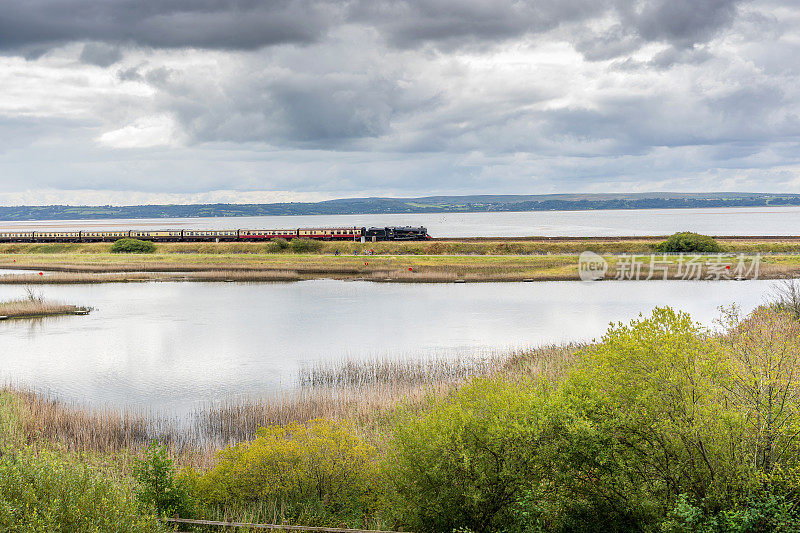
[146,132]
[121,197]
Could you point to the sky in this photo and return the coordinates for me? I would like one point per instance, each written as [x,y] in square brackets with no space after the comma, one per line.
[200,101]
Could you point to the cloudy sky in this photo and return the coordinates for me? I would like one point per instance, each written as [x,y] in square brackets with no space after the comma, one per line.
[140,101]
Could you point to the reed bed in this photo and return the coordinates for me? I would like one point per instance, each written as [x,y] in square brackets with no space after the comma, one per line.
[243,275]
[552,361]
[360,374]
[122,277]
[237,420]
[367,393]
[42,418]
[72,277]
[36,308]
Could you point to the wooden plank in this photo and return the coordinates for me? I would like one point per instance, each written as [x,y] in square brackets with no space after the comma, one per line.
[272,526]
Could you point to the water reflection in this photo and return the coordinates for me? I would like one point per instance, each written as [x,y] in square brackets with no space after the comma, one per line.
[172,346]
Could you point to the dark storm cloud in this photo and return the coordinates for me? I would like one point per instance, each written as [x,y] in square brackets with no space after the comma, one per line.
[249,24]
[100,54]
[450,23]
[409,23]
[679,22]
[300,109]
[223,24]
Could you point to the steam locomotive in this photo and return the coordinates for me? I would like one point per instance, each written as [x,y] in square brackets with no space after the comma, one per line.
[388,233]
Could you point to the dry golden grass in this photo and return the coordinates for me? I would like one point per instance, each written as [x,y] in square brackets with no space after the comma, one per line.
[36,308]
[367,393]
[100,276]
[396,372]
[75,267]
[44,419]
[459,246]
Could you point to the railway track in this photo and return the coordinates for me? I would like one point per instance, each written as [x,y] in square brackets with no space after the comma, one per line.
[646,238]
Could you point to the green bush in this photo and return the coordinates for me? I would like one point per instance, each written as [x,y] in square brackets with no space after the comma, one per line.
[42,493]
[762,512]
[689,242]
[159,485]
[319,473]
[464,464]
[280,243]
[300,246]
[132,246]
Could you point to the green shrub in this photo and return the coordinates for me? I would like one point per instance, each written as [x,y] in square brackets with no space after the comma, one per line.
[42,493]
[132,246]
[465,464]
[280,243]
[319,473]
[300,246]
[763,512]
[689,242]
[159,486]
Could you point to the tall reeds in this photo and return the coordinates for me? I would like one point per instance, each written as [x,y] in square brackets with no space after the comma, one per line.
[35,305]
[367,393]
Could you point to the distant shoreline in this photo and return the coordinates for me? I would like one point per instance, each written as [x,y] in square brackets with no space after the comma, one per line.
[408,206]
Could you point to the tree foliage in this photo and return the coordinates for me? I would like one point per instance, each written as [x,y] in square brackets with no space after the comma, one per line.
[465,463]
[311,471]
[303,245]
[159,485]
[44,493]
[132,246]
[687,242]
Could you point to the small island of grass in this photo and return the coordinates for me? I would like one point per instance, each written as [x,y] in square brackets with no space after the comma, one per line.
[34,307]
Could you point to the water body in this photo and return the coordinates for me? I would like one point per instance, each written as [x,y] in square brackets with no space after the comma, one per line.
[172,347]
[607,223]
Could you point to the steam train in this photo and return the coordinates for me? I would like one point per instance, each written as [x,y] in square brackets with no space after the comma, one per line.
[389,233]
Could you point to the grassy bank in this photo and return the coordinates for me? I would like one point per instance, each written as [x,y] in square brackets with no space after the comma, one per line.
[531,259]
[494,246]
[92,268]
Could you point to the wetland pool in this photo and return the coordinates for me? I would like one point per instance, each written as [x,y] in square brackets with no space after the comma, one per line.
[173,347]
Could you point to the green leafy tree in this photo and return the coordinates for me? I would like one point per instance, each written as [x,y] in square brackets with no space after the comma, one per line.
[662,382]
[764,358]
[466,462]
[159,484]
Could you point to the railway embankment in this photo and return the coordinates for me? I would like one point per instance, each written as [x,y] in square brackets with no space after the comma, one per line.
[408,262]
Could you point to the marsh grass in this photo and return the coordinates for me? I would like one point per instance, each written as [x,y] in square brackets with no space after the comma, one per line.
[107,276]
[36,307]
[366,393]
[42,418]
[371,373]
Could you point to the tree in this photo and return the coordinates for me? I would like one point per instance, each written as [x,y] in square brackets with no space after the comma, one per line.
[764,354]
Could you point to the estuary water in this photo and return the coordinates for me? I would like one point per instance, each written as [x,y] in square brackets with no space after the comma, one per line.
[172,347]
[601,223]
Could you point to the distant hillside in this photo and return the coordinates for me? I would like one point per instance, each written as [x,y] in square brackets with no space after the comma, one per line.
[430,204]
